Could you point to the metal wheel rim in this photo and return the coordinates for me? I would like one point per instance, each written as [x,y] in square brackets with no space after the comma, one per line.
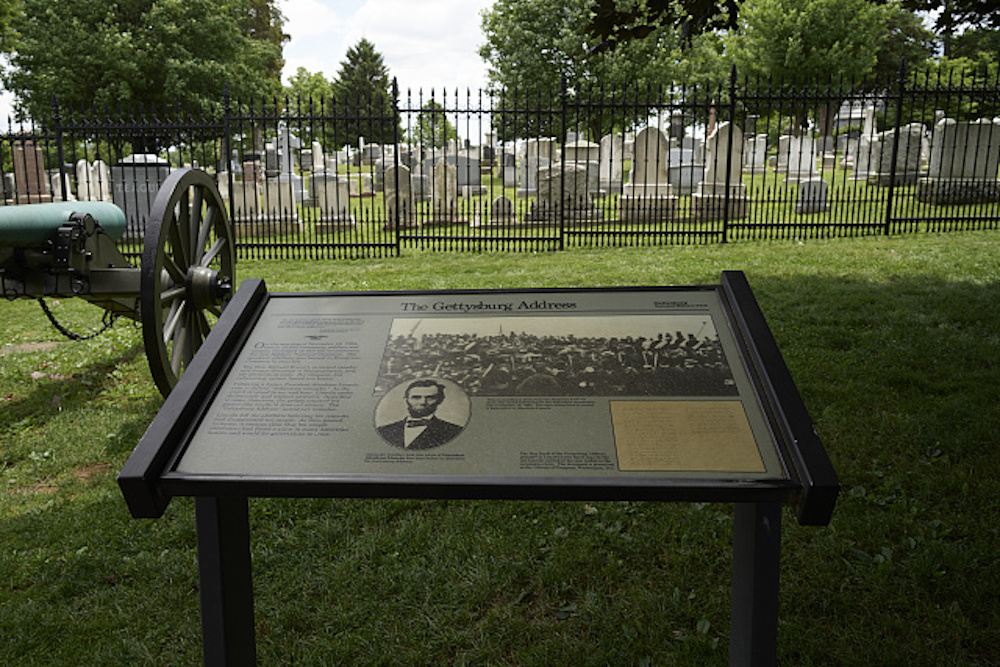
[188,236]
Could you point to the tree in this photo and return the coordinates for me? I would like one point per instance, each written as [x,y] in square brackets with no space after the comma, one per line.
[144,53]
[792,42]
[615,22]
[906,39]
[9,10]
[533,45]
[974,41]
[364,96]
[433,128]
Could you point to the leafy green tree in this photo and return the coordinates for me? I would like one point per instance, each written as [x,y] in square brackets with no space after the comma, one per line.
[305,87]
[144,53]
[363,92]
[796,42]
[974,41]
[432,128]
[906,39]
[531,45]
[9,10]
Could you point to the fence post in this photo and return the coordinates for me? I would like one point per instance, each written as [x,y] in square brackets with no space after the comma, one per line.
[564,110]
[895,147]
[395,172]
[729,151]
[227,147]
[57,127]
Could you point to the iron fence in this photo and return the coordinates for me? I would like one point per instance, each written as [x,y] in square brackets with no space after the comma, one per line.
[531,170]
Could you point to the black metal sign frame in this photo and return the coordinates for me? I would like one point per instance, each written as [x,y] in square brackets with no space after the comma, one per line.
[155,473]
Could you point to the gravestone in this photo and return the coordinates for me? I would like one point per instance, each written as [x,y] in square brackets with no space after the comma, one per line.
[907,156]
[866,148]
[963,163]
[30,178]
[501,213]
[611,159]
[333,197]
[812,197]
[563,196]
[581,151]
[530,168]
[361,185]
[280,214]
[648,196]
[57,181]
[135,180]
[244,201]
[306,159]
[399,204]
[755,155]
[684,170]
[444,193]
[508,169]
[721,193]
[800,160]
[93,182]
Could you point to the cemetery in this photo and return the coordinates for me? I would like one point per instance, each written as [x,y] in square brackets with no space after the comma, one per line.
[317,555]
[681,173]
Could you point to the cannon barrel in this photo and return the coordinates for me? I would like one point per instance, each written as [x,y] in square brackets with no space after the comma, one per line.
[31,225]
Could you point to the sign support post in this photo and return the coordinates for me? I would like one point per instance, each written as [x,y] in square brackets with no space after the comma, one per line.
[224,575]
[753,623]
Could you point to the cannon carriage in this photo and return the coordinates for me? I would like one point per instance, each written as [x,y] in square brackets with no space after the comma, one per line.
[182,284]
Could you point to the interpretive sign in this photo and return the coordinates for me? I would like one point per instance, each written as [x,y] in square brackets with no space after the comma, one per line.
[658,393]
[583,383]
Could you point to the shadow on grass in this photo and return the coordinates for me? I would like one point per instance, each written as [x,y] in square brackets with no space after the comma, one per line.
[900,377]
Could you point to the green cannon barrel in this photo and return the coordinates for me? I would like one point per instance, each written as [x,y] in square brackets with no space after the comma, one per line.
[30,225]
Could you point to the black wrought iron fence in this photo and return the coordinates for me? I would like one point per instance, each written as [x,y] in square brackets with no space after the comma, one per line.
[529,170]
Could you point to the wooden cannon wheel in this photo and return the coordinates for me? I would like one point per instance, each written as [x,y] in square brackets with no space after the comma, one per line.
[187,274]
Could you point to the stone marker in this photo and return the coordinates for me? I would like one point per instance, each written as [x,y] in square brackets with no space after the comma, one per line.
[399,205]
[721,192]
[648,196]
[812,197]
[963,163]
[30,179]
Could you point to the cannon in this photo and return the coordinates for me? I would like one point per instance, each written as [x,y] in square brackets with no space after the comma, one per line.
[183,282]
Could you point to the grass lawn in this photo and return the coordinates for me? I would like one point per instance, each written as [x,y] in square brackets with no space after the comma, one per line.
[895,346]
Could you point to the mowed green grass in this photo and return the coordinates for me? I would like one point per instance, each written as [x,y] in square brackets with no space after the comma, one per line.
[894,344]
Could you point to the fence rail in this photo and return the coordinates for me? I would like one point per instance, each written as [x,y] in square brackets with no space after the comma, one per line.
[743,160]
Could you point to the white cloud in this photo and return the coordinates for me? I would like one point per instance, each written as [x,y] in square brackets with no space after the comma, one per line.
[427,44]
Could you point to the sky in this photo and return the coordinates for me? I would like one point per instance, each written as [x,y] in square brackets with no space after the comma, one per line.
[424,44]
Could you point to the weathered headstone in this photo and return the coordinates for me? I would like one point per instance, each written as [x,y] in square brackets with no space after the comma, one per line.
[530,167]
[30,178]
[684,170]
[721,193]
[611,159]
[563,196]
[648,196]
[135,180]
[501,213]
[333,198]
[280,214]
[399,204]
[867,147]
[93,181]
[244,201]
[800,160]
[907,156]
[812,197]
[755,155]
[963,163]
[444,193]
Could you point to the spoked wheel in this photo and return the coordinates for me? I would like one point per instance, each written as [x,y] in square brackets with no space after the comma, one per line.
[188,263]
